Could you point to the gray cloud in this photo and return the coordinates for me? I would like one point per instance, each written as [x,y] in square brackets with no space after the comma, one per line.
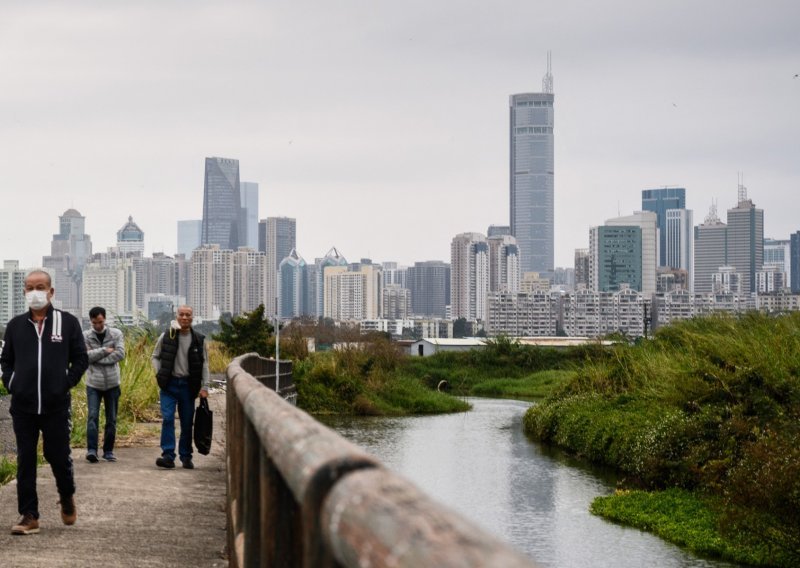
[386,123]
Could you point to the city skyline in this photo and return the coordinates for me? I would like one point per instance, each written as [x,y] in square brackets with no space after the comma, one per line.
[647,98]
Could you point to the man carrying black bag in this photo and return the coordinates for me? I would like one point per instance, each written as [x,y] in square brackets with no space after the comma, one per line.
[180,360]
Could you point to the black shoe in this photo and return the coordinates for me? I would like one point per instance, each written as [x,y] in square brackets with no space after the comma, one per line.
[187,464]
[91,457]
[166,463]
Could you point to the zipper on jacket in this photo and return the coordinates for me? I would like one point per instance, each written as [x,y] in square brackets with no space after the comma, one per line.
[39,333]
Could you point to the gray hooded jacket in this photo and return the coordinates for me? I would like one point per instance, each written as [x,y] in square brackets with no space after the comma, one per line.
[103,373]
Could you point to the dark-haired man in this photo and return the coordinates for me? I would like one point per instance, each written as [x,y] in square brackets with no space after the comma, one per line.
[106,348]
[43,357]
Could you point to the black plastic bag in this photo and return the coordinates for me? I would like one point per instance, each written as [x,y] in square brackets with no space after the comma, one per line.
[203,427]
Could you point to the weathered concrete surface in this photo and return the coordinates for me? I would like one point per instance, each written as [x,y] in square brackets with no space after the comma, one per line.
[130,513]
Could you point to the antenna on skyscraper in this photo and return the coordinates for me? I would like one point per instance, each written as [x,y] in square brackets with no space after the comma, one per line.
[742,188]
[547,81]
[712,213]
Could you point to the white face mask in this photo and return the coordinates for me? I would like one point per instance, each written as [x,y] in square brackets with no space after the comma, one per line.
[36,299]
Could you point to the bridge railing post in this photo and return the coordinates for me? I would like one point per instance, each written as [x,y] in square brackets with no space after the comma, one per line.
[251,495]
[233,416]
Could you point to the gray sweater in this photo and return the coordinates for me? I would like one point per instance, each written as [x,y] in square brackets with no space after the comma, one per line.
[103,372]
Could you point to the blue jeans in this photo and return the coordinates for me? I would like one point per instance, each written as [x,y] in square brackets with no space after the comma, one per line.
[110,400]
[176,394]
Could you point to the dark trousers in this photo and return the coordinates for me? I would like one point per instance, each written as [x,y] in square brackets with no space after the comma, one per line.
[55,428]
[110,399]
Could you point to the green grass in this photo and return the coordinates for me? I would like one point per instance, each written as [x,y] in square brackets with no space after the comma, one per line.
[535,385]
[709,405]
[686,519]
[8,469]
[366,382]
[380,380]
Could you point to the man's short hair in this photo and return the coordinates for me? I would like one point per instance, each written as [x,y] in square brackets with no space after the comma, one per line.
[97,311]
[39,271]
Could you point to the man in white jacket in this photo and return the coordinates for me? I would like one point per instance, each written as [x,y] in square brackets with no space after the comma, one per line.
[106,348]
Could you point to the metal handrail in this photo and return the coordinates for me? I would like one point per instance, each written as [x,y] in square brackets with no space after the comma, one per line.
[301,495]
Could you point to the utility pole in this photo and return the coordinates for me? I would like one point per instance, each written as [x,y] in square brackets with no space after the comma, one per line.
[277,331]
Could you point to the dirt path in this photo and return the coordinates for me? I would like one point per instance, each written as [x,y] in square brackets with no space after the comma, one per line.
[130,513]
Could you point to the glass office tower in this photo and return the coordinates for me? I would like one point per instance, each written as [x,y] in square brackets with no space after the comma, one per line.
[222,212]
[532,178]
[659,201]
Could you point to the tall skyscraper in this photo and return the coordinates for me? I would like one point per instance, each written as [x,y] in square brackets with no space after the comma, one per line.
[353,292]
[293,291]
[429,282]
[582,263]
[794,263]
[222,211]
[12,295]
[746,240]
[113,286]
[646,221]
[394,274]
[249,279]
[70,249]
[130,239]
[777,255]
[155,275]
[248,197]
[531,176]
[504,273]
[189,236]
[281,238]
[469,276]
[659,201]
[332,259]
[618,258]
[498,230]
[679,233]
[226,281]
[396,302]
[710,251]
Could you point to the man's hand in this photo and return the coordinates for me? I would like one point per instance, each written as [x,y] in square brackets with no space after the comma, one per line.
[109,350]
[203,393]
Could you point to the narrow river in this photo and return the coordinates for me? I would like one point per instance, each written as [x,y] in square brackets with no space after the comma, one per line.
[482,464]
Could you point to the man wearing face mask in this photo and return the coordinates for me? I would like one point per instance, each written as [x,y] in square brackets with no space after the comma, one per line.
[44,356]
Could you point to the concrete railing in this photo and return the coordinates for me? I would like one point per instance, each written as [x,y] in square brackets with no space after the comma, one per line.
[264,371]
[301,495]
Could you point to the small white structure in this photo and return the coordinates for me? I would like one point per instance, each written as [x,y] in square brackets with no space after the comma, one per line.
[432,345]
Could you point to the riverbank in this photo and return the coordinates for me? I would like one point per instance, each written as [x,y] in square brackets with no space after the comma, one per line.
[366,381]
[378,379]
[711,406]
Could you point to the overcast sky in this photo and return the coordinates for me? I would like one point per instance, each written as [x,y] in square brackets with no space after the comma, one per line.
[382,127]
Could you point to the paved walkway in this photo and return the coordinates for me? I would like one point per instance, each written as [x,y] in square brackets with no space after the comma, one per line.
[130,513]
